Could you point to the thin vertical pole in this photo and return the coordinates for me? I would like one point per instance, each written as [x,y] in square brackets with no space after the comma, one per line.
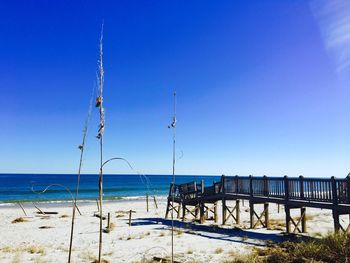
[130,217]
[100,136]
[147,202]
[173,125]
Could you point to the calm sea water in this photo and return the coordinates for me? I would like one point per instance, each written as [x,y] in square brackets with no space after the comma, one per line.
[19,187]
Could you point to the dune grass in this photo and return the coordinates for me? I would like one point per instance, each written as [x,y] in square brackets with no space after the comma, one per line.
[331,248]
[19,220]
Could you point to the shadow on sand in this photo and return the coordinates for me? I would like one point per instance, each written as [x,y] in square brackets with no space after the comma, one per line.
[235,234]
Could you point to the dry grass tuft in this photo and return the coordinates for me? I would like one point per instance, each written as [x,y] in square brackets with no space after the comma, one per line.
[219,250]
[178,232]
[277,224]
[332,248]
[112,226]
[36,250]
[64,216]
[19,220]
[102,261]
[16,258]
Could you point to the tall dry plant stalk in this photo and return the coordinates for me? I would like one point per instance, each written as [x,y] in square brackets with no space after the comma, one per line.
[99,103]
[173,126]
[81,148]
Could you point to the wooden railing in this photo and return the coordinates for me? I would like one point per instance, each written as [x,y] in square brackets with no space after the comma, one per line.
[323,190]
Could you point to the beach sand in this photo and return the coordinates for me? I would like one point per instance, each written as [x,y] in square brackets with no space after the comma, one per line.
[46,238]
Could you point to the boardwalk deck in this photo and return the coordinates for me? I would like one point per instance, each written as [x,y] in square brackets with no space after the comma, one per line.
[293,193]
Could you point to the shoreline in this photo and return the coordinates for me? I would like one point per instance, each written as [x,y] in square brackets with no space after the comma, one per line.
[66,202]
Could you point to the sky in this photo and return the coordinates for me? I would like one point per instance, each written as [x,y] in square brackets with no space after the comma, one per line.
[262,86]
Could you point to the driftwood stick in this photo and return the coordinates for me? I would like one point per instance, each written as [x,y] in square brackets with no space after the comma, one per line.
[155,201]
[99,216]
[39,209]
[109,221]
[77,208]
[130,213]
[24,211]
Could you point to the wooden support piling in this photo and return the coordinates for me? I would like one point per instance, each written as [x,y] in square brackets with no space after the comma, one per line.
[216,218]
[336,220]
[196,211]
[202,213]
[183,212]
[224,211]
[167,209]
[266,213]
[179,211]
[238,213]
[287,210]
[251,214]
[303,219]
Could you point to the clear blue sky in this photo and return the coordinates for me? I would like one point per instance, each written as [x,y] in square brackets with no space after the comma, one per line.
[259,91]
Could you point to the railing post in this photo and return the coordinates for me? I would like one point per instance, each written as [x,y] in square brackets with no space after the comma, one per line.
[251,185]
[301,182]
[223,199]
[195,189]
[335,202]
[286,188]
[223,184]
[348,189]
[265,182]
[286,206]
[334,191]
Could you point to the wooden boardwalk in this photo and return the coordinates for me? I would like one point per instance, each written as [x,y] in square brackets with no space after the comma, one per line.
[293,192]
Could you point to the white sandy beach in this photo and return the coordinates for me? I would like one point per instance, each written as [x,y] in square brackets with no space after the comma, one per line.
[46,238]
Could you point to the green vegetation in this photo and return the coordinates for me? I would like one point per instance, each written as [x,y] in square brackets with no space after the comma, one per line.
[333,248]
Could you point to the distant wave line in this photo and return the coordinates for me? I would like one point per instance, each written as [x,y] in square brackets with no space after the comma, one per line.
[118,189]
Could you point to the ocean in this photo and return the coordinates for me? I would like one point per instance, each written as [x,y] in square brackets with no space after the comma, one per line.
[29,187]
